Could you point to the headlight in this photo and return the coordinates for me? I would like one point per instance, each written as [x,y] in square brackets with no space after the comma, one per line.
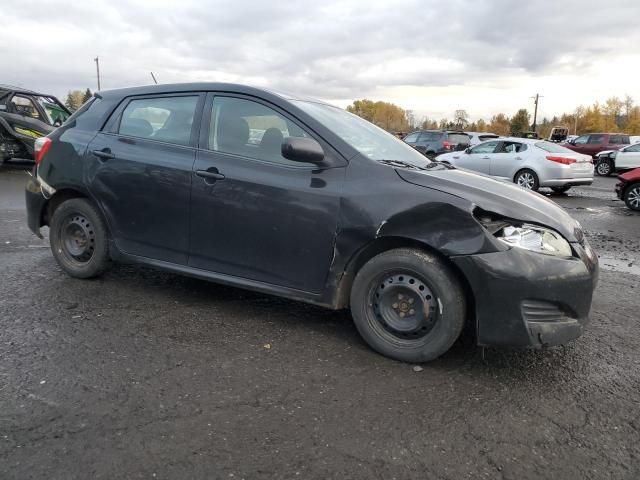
[535,238]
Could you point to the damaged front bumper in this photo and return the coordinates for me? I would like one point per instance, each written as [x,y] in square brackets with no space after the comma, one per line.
[527,299]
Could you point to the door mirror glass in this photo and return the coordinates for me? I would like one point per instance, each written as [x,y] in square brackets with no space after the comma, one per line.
[302,149]
[467,150]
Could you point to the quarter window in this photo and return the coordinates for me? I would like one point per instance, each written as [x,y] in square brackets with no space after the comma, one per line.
[166,119]
[250,129]
[487,147]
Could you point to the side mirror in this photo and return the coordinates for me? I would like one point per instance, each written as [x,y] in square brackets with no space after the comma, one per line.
[467,150]
[302,149]
[571,142]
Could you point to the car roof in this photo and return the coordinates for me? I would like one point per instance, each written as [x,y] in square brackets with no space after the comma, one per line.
[203,87]
[26,91]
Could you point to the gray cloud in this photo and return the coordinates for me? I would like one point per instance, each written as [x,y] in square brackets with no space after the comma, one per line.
[332,49]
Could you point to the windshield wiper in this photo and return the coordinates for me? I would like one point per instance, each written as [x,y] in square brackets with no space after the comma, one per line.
[438,163]
[400,163]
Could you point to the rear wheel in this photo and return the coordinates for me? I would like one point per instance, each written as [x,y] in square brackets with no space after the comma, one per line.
[604,168]
[408,305]
[563,189]
[78,238]
[527,179]
[632,196]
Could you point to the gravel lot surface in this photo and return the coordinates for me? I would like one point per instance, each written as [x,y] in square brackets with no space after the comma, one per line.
[144,374]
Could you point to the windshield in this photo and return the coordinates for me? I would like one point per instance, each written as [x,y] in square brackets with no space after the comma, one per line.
[553,147]
[369,140]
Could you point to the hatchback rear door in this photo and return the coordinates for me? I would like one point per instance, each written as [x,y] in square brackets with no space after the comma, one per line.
[141,174]
[255,214]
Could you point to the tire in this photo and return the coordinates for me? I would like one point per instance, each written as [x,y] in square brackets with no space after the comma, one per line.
[604,168]
[632,196]
[561,190]
[527,179]
[420,314]
[79,239]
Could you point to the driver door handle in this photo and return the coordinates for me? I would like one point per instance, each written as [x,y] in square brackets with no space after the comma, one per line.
[104,154]
[215,175]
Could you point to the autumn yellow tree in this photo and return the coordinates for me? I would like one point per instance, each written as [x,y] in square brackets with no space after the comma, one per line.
[383,114]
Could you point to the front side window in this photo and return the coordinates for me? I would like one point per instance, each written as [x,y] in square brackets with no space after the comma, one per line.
[596,139]
[250,129]
[412,137]
[166,119]
[581,140]
[24,106]
[487,147]
[633,148]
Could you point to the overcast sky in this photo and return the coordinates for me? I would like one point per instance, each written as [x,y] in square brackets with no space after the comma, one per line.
[430,56]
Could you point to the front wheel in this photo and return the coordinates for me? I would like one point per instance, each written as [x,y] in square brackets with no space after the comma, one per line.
[78,238]
[604,168]
[527,179]
[632,197]
[408,305]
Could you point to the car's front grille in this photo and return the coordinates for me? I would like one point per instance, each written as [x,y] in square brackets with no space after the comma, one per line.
[541,311]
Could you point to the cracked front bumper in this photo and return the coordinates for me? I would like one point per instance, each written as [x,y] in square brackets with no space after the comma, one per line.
[527,299]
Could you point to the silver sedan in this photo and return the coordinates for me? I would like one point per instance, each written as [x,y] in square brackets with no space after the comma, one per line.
[530,163]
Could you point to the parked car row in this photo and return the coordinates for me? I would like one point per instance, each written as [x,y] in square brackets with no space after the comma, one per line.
[529,163]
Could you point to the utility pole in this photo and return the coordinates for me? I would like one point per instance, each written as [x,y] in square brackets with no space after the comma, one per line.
[535,111]
[97,60]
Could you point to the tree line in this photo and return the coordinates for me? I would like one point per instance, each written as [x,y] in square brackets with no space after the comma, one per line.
[613,115]
[75,98]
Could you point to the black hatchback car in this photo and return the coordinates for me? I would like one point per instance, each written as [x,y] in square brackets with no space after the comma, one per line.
[434,142]
[297,198]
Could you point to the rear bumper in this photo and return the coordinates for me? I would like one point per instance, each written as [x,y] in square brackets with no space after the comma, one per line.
[526,299]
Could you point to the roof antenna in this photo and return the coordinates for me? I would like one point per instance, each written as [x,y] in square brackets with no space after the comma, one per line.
[154,78]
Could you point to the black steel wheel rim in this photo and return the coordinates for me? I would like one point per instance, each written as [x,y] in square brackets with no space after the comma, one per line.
[78,238]
[404,306]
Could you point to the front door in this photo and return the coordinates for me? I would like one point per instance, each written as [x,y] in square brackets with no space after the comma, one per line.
[255,214]
[479,157]
[629,157]
[141,175]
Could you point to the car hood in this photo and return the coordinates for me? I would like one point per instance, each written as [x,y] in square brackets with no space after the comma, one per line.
[505,199]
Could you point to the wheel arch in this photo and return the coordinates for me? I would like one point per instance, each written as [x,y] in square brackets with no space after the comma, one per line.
[382,244]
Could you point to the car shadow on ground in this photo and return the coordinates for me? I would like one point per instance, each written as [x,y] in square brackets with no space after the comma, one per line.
[292,318]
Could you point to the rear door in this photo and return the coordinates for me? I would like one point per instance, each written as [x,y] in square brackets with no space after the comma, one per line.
[629,157]
[507,159]
[142,174]
[595,144]
[478,159]
[255,214]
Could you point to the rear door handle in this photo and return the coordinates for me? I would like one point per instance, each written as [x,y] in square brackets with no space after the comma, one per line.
[486,158]
[215,175]
[104,154]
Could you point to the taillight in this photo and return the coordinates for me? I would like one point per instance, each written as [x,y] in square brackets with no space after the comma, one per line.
[40,147]
[448,145]
[562,160]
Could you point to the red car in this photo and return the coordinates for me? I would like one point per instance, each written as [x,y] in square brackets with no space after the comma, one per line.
[594,143]
[628,189]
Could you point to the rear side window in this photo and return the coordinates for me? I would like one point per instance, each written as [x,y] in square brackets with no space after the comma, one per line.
[430,136]
[619,139]
[165,119]
[458,138]
[596,139]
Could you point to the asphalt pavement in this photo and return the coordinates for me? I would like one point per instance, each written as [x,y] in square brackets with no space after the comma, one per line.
[145,374]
